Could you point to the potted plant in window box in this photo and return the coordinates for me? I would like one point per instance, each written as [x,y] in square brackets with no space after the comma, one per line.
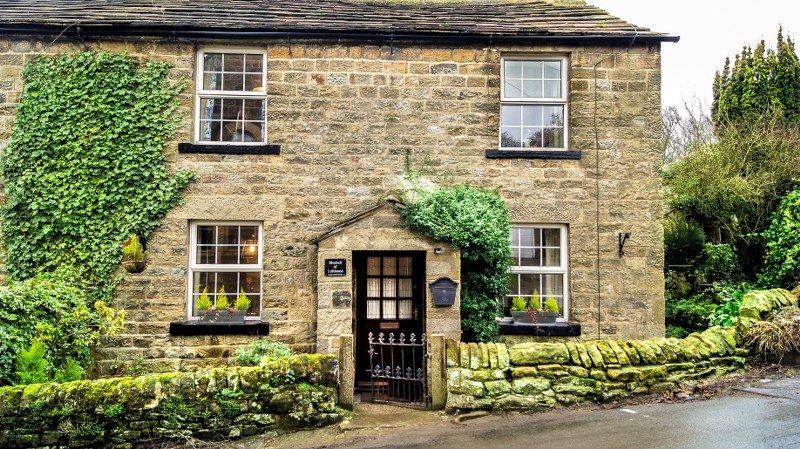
[534,312]
[204,306]
[133,255]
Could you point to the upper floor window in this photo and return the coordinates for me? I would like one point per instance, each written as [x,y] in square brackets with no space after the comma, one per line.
[539,264]
[533,103]
[231,98]
[225,259]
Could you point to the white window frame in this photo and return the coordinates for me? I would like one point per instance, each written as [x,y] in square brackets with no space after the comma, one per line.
[201,93]
[194,266]
[563,269]
[518,101]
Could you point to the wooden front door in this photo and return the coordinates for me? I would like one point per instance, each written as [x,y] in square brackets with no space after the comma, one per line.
[390,298]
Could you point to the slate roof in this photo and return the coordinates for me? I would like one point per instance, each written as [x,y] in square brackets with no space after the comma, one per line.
[479,19]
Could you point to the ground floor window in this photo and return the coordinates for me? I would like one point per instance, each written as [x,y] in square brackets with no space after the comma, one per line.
[225,258]
[539,264]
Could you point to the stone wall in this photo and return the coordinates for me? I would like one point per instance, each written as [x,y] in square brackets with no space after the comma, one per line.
[345,115]
[539,375]
[287,394]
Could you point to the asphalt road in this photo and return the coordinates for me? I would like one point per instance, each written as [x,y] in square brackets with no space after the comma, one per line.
[767,416]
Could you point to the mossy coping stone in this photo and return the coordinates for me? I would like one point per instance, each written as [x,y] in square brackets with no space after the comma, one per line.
[538,353]
[295,392]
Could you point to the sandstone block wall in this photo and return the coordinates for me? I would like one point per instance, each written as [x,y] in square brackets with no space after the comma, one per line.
[539,375]
[346,115]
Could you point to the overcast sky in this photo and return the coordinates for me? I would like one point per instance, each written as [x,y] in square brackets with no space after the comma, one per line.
[710,30]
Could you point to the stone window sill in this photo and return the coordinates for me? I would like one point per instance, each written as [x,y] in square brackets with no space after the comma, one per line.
[563,329]
[533,154]
[190,328]
[199,148]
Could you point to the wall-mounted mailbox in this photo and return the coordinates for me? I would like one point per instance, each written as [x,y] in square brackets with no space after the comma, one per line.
[444,292]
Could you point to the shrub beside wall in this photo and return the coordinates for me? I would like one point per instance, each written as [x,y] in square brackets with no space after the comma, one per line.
[539,375]
[281,395]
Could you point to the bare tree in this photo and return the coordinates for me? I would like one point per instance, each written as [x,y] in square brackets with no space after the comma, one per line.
[683,129]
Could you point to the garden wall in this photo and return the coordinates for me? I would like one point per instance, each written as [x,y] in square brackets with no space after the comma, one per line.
[282,395]
[495,376]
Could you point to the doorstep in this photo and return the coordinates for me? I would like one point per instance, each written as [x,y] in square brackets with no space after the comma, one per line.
[560,329]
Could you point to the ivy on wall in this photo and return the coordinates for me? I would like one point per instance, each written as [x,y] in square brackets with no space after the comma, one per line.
[476,222]
[85,167]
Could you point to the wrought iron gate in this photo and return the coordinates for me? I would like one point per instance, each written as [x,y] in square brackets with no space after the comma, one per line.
[399,370]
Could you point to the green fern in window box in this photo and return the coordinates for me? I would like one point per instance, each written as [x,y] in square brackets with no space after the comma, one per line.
[133,255]
[242,303]
[518,304]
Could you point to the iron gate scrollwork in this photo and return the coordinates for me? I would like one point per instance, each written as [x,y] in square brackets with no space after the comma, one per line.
[399,369]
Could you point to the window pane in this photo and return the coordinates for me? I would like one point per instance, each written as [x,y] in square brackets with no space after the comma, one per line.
[249,235]
[373,309]
[234,62]
[551,237]
[513,88]
[212,81]
[210,109]
[404,288]
[526,236]
[532,137]
[532,116]
[253,82]
[248,254]
[205,254]
[254,62]
[233,81]
[531,257]
[532,70]
[250,282]
[231,283]
[552,258]
[254,110]
[209,131]
[253,132]
[511,115]
[513,69]
[513,284]
[553,138]
[374,287]
[227,235]
[255,305]
[553,116]
[532,89]
[373,266]
[212,62]
[552,284]
[552,89]
[227,255]
[514,236]
[389,310]
[404,266]
[529,284]
[552,70]
[203,280]
[389,287]
[231,131]
[206,235]
[232,109]
[389,266]
[511,137]
[404,312]
[514,256]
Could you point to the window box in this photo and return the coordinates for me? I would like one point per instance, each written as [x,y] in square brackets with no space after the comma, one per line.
[534,317]
[223,316]
[196,327]
[559,329]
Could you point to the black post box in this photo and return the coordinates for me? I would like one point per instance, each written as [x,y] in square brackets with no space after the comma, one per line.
[444,292]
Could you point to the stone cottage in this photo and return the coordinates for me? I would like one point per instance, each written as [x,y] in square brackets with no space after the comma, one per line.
[302,116]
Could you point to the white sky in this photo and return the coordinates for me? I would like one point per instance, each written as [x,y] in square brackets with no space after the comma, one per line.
[710,30]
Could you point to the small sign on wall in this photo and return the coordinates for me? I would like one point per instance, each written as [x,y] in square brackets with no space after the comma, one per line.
[335,267]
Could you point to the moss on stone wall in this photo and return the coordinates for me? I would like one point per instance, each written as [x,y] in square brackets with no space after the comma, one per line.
[290,393]
[539,375]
